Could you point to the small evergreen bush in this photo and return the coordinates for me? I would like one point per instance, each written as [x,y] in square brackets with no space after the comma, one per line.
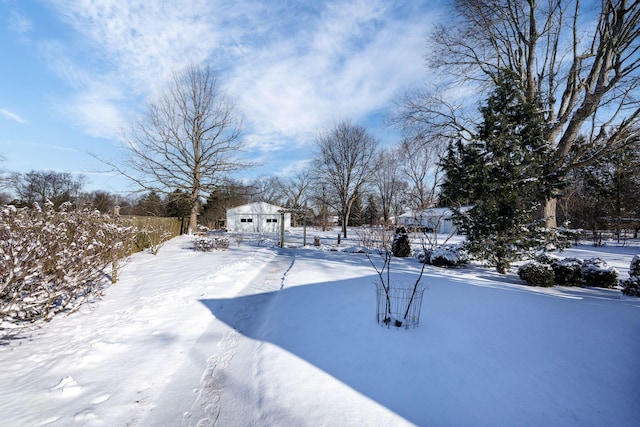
[401,247]
[445,256]
[424,256]
[631,286]
[597,273]
[537,274]
[547,258]
[568,272]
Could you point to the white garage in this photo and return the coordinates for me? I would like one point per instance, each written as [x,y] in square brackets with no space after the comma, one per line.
[259,217]
[438,219]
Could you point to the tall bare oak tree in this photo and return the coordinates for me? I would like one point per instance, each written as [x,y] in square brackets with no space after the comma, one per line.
[189,139]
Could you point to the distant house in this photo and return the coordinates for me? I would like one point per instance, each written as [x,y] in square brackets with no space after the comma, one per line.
[433,219]
[259,217]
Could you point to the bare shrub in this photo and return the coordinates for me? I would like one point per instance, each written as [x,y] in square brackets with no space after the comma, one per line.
[53,260]
[398,304]
[374,237]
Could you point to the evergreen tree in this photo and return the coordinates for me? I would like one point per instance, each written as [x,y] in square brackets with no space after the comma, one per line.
[230,195]
[178,204]
[151,204]
[356,213]
[102,201]
[460,165]
[501,172]
[371,213]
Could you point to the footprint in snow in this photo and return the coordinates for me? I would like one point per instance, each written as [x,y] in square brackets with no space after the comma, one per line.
[67,387]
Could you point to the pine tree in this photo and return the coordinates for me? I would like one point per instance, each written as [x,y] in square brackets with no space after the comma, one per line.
[501,172]
[151,204]
[371,213]
[356,213]
[178,204]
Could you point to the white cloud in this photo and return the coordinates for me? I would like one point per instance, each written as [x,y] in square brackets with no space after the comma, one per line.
[12,116]
[19,23]
[98,115]
[128,50]
[293,67]
[142,41]
[347,62]
[294,167]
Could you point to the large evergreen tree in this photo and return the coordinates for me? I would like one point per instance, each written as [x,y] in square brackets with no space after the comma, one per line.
[501,173]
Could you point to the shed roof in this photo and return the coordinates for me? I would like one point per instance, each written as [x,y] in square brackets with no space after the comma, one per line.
[433,212]
[255,208]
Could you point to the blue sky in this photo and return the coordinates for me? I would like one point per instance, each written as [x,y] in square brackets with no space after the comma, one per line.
[75,74]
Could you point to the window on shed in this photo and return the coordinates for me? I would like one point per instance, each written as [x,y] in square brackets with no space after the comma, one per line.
[246,219]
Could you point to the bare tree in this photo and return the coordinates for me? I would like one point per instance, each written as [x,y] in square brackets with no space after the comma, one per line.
[580,62]
[42,186]
[347,157]
[391,188]
[419,160]
[295,191]
[266,189]
[4,183]
[188,140]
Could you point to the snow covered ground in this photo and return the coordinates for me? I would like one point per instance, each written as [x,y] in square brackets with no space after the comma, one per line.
[258,335]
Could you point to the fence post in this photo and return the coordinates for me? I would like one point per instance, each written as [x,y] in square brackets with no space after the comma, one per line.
[282,229]
[114,262]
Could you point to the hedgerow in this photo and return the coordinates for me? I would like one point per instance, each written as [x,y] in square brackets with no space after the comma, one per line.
[53,260]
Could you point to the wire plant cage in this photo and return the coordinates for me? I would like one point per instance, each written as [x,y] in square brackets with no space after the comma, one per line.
[399,305]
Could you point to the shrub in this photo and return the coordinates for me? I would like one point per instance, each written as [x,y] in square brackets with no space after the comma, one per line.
[631,286]
[52,260]
[597,273]
[547,258]
[444,256]
[634,268]
[537,274]
[568,272]
[208,244]
[401,247]
[424,255]
[153,232]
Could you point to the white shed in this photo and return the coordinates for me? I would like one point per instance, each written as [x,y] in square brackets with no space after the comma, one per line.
[259,217]
[433,219]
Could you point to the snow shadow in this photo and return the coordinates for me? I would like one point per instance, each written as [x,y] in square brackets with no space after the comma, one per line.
[485,353]
[333,326]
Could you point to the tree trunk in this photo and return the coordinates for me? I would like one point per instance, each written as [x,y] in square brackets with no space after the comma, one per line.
[548,212]
[345,219]
[193,218]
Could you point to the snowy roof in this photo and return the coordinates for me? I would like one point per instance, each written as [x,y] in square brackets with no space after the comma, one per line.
[433,213]
[257,207]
